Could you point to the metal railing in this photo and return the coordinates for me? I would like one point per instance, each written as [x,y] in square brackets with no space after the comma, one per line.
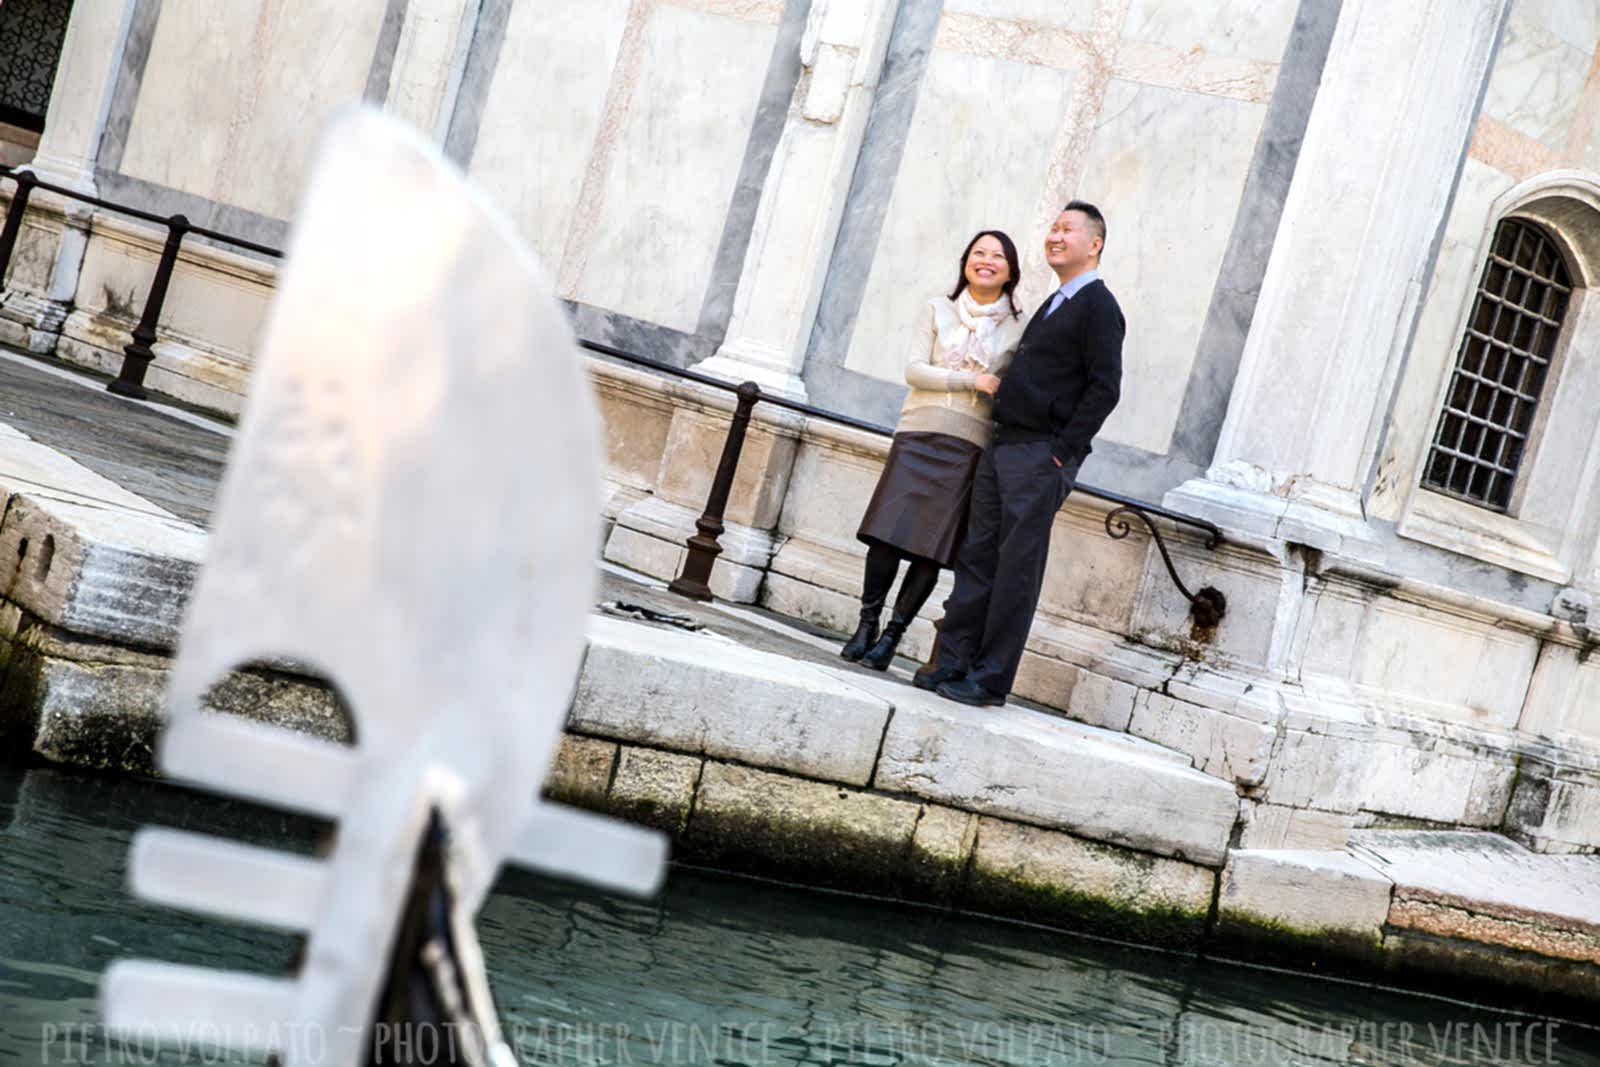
[137,354]
[1206,607]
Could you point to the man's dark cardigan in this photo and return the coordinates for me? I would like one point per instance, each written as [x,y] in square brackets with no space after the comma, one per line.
[1066,376]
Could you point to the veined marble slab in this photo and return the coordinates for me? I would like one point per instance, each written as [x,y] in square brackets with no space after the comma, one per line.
[228,95]
[555,50]
[675,164]
[1254,29]
[1168,168]
[975,158]
[1538,77]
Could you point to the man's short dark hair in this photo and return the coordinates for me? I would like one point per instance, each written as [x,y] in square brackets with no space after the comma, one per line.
[1095,217]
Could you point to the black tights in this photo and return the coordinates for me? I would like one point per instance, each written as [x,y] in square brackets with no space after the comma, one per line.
[883,564]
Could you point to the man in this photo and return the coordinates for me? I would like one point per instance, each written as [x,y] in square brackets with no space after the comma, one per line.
[1064,381]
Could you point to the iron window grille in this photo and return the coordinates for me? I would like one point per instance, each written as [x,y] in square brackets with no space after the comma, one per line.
[31,35]
[1501,367]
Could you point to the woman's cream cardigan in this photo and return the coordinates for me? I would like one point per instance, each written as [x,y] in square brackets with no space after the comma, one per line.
[944,400]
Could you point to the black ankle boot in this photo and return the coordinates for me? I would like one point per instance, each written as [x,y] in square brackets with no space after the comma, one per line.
[862,639]
[882,653]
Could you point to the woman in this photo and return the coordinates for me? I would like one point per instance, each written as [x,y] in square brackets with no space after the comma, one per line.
[962,345]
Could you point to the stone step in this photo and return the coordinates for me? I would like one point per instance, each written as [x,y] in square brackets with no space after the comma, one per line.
[1471,903]
[1486,887]
[81,553]
[700,693]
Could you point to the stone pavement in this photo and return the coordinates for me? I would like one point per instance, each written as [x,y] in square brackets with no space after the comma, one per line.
[742,735]
[168,457]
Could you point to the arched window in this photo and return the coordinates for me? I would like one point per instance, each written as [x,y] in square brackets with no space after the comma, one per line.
[1500,367]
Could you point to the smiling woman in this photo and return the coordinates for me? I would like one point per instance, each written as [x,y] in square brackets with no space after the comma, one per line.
[961,346]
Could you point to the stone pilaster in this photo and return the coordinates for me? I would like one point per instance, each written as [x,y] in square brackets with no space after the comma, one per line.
[81,96]
[842,53]
[1392,119]
[31,316]
[429,61]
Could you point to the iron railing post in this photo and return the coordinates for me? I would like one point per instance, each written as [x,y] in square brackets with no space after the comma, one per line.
[13,227]
[703,546]
[138,354]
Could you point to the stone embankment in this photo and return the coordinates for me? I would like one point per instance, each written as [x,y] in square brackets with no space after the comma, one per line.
[833,776]
[756,750]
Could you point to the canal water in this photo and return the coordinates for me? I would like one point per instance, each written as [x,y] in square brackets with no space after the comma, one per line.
[715,971]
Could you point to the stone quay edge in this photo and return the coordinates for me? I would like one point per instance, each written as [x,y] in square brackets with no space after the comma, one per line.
[778,765]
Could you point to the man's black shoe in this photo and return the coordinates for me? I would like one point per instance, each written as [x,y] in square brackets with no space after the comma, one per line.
[932,680]
[966,691]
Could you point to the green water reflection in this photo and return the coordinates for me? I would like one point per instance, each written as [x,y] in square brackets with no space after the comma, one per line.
[715,971]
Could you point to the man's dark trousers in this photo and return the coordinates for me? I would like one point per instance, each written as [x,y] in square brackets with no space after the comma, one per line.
[1015,496]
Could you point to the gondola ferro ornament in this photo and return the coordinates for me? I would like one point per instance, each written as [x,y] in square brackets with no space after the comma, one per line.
[411,509]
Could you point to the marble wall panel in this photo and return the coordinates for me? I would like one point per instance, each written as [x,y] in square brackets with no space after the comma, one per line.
[635,427]
[191,84]
[318,59]
[1450,663]
[34,257]
[828,492]
[693,451]
[530,156]
[975,158]
[1539,72]
[1332,620]
[1577,22]
[1252,584]
[676,163]
[1061,14]
[1564,697]
[214,306]
[17,146]
[1253,29]
[1591,139]
[1168,168]
[115,277]
[233,92]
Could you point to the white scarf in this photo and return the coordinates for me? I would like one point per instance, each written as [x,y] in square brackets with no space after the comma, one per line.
[973,343]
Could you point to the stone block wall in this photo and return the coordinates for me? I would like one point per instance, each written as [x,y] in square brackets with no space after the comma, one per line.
[209,326]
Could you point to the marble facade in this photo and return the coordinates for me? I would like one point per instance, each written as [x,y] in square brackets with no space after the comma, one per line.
[1301,195]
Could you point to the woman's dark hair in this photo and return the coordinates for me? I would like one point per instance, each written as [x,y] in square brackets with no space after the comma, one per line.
[1009,247]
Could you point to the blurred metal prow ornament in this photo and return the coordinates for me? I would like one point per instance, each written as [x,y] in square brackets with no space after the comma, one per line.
[411,509]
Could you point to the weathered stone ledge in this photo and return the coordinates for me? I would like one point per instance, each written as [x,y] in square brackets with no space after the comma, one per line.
[1468,908]
[742,818]
[1312,762]
[1128,822]
[1341,911]
[706,695]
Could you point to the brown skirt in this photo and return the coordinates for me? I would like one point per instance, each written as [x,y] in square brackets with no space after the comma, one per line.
[920,504]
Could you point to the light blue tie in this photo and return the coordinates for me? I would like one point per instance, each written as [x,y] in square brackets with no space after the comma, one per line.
[1055,302]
